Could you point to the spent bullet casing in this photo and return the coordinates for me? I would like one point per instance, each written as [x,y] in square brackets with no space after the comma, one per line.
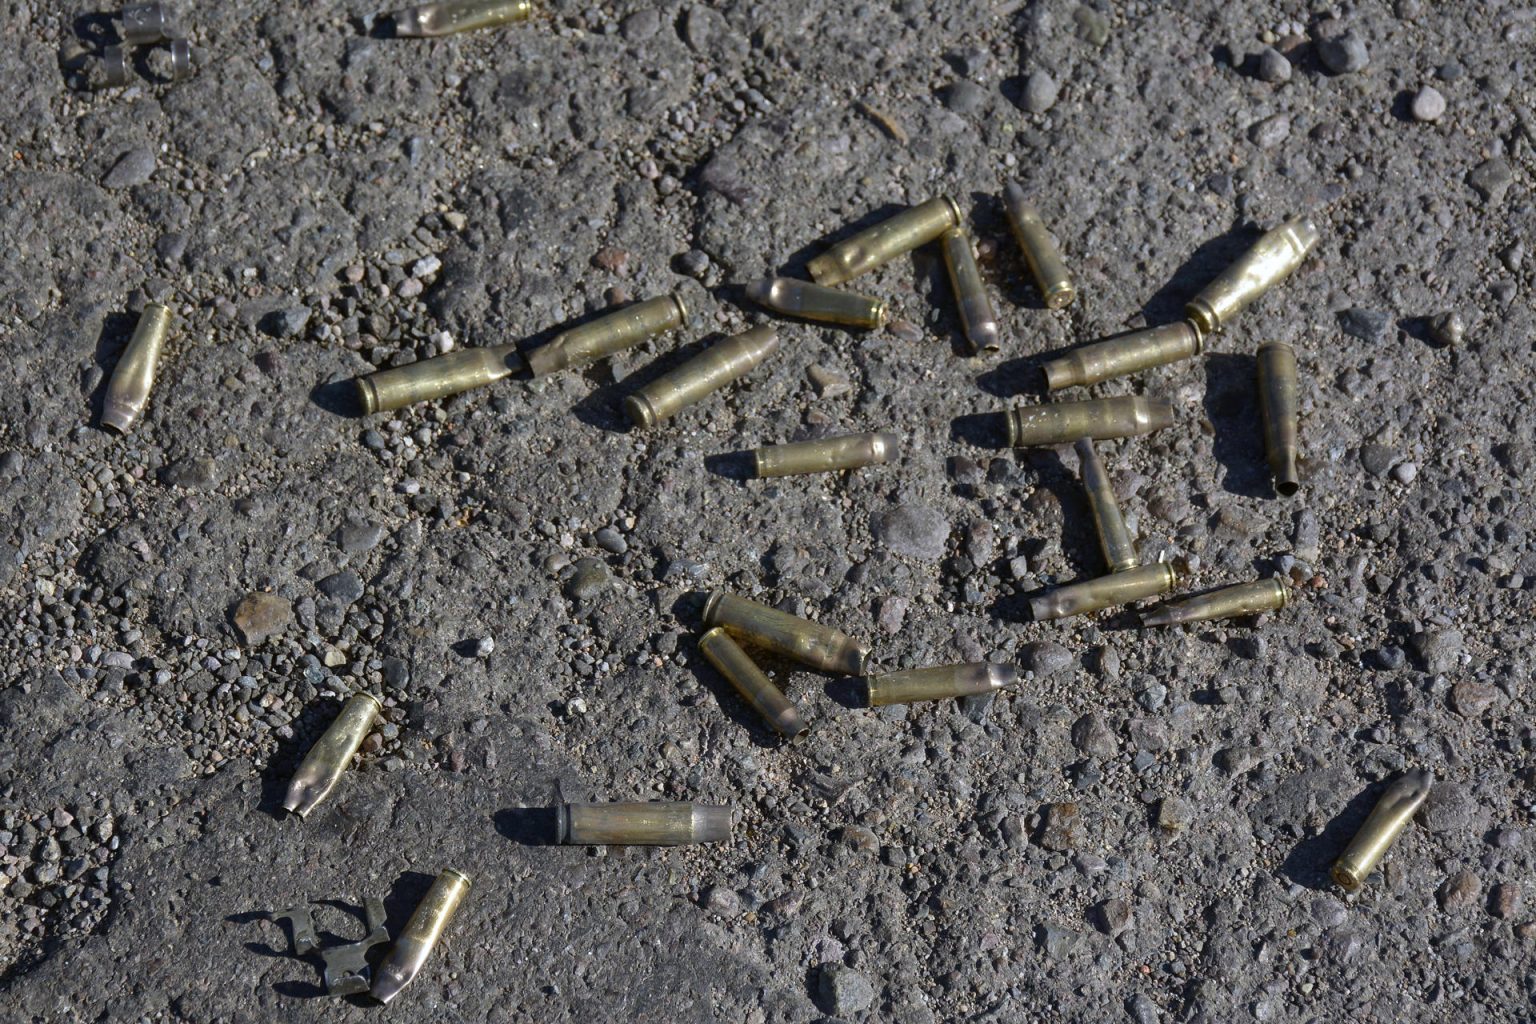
[1114,539]
[847,451]
[939,683]
[703,375]
[114,66]
[1040,251]
[450,16]
[134,374]
[144,24]
[750,681]
[977,316]
[181,59]
[1098,418]
[816,302]
[421,933]
[877,245]
[642,824]
[1104,592]
[1386,822]
[1270,260]
[1226,603]
[1278,404]
[438,377]
[322,767]
[614,332]
[810,643]
[1129,353]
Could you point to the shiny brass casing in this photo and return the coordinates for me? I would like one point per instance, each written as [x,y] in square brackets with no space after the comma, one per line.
[977,315]
[750,681]
[438,377]
[1386,822]
[1279,404]
[1114,539]
[427,924]
[450,16]
[1098,418]
[1129,353]
[1226,603]
[847,451]
[642,824]
[1040,251]
[1271,260]
[814,302]
[877,245]
[939,682]
[614,332]
[704,374]
[810,643]
[332,753]
[1104,592]
[134,375]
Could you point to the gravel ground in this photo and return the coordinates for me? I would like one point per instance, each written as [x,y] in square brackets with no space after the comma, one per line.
[1141,832]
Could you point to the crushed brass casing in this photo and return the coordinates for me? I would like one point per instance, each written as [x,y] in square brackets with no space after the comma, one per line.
[1226,603]
[1098,418]
[438,377]
[1268,262]
[450,16]
[883,242]
[939,682]
[134,374]
[1127,354]
[1386,822]
[421,933]
[323,766]
[1104,592]
[810,643]
[1040,251]
[610,333]
[750,681]
[642,824]
[703,375]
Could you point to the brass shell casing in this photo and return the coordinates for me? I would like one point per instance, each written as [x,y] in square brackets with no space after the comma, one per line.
[1040,251]
[450,16]
[1127,354]
[114,66]
[438,377]
[939,682]
[809,301]
[642,824]
[810,643]
[1104,592]
[323,766]
[421,933]
[1386,822]
[1098,418]
[754,686]
[613,332]
[883,242]
[1279,404]
[1226,603]
[1114,539]
[134,374]
[144,24]
[977,315]
[826,455]
[701,376]
[1268,262]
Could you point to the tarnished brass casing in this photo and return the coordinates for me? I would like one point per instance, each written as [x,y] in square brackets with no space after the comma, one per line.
[1279,404]
[750,681]
[134,374]
[1386,822]
[1127,354]
[877,245]
[114,66]
[642,824]
[1271,260]
[939,683]
[977,316]
[144,24]
[450,16]
[810,643]
[332,753]
[1098,418]
[1226,603]
[814,302]
[438,377]
[1114,539]
[614,332]
[1040,251]
[427,924]
[1104,592]
[704,374]
[847,451]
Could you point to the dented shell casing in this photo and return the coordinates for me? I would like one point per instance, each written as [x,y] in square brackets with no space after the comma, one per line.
[977,316]
[1270,260]
[751,682]
[608,334]
[815,302]
[1127,354]
[826,455]
[1279,405]
[642,824]
[1386,822]
[883,242]
[1098,418]
[939,682]
[450,16]
[810,643]
[420,935]
[701,376]
[323,766]
[1114,539]
[134,374]
[1039,248]
[1226,603]
[438,377]
[1104,592]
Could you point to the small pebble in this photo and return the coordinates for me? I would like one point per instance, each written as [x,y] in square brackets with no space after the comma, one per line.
[1344,54]
[1428,105]
[1040,92]
[1273,66]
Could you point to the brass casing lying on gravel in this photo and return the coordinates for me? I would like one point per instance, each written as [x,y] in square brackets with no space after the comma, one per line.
[1279,404]
[421,933]
[1114,539]
[438,377]
[809,301]
[323,766]
[977,315]
[1226,603]
[613,332]
[1386,822]
[450,16]
[939,682]
[1040,251]
[1104,592]
[134,374]
[1268,262]
[810,643]
[1127,354]
[701,376]
[754,686]
[1098,418]
[642,824]
[883,242]
[847,451]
